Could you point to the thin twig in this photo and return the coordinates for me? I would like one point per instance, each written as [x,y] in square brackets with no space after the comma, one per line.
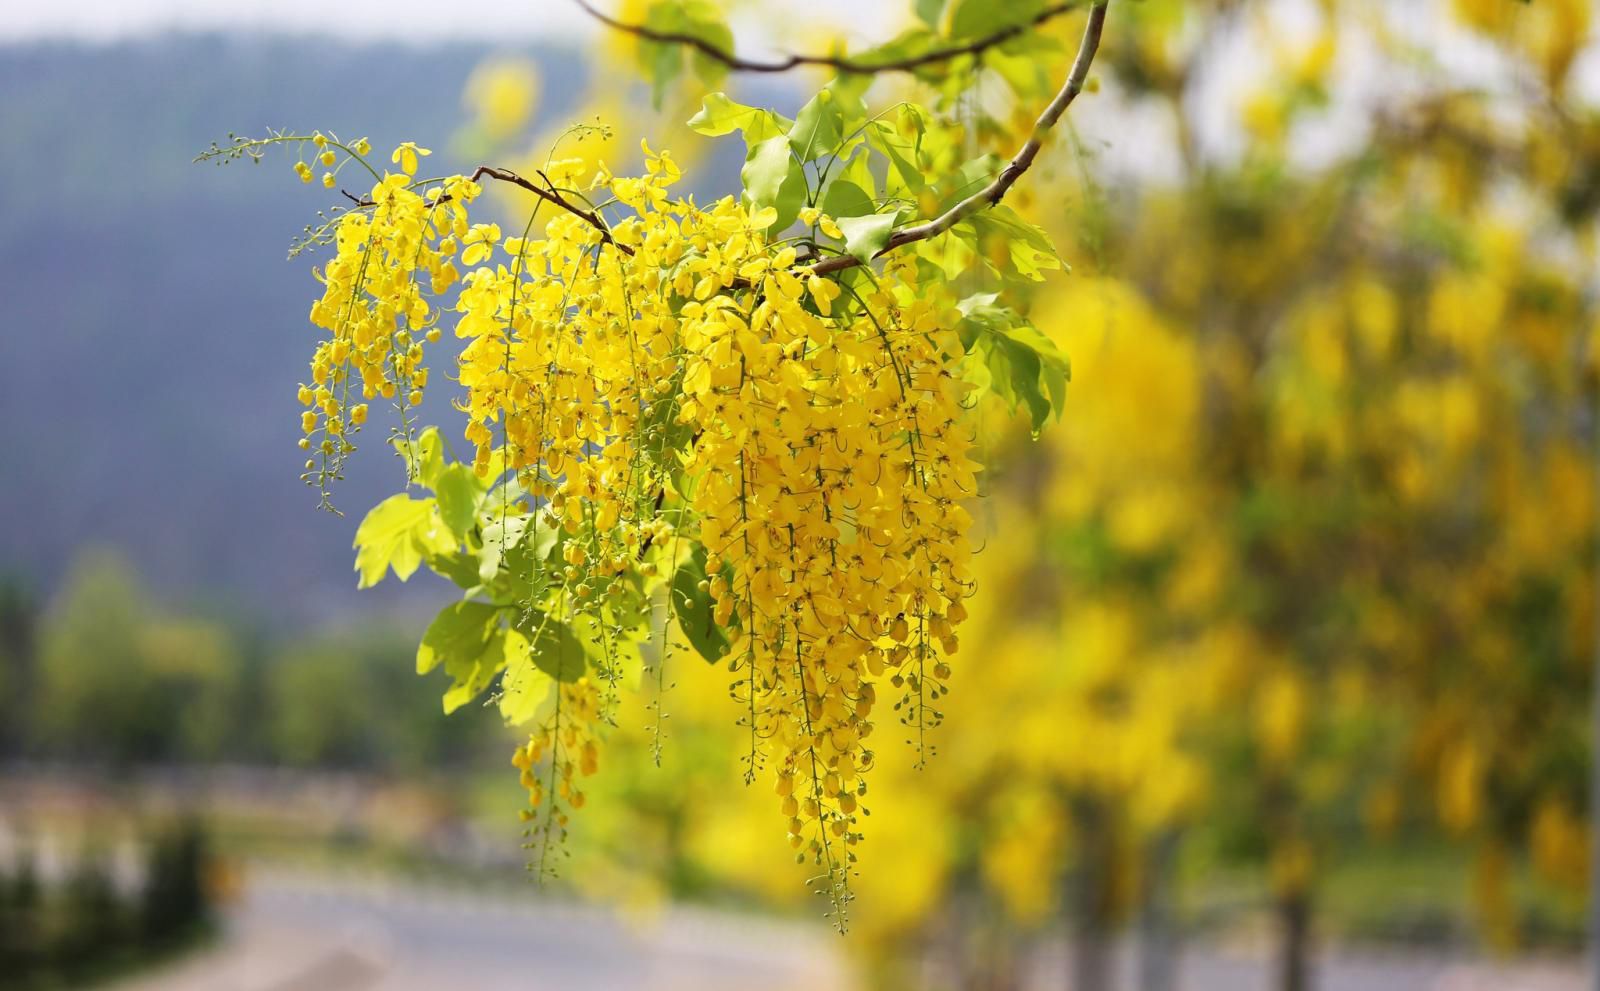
[554,198]
[984,198]
[548,195]
[996,190]
[840,62]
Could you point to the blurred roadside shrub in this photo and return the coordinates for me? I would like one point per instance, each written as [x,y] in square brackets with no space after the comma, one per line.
[83,925]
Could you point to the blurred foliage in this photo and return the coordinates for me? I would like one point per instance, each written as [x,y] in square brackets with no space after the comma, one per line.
[115,680]
[117,683]
[1307,568]
[85,926]
[341,701]
[1305,571]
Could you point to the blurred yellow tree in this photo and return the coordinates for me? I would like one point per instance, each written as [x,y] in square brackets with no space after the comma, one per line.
[1309,560]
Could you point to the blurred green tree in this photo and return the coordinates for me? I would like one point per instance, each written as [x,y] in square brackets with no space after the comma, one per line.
[117,682]
[18,633]
[336,700]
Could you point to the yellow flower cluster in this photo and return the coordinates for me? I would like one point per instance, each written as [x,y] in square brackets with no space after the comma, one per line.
[375,311]
[677,379]
[831,467]
[568,737]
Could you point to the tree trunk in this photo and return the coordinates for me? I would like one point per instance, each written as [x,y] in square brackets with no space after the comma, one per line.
[1594,763]
[1294,948]
[1158,934]
[1091,899]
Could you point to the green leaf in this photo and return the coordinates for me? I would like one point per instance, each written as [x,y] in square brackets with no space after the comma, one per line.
[844,198]
[662,64]
[1024,61]
[971,176]
[513,560]
[928,11]
[1021,365]
[719,115]
[467,639]
[905,175]
[460,567]
[979,18]
[693,608]
[546,539]
[459,491]
[663,61]
[525,686]
[864,237]
[552,646]
[501,535]
[473,676]
[773,178]
[1030,249]
[398,533]
[817,128]
[713,29]
[1017,367]
[423,455]
[460,631]
[859,171]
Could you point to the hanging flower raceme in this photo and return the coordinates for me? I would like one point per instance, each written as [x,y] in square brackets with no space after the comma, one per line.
[673,410]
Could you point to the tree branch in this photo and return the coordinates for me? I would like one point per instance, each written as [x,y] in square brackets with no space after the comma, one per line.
[996,190]
[555,199]
[840,62]
[548,195]
[984,198]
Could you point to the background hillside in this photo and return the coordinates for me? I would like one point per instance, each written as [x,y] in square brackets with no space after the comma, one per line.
[153,328]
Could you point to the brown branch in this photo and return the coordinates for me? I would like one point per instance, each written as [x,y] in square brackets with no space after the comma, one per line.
[839,62]
[996,190]
[548,195]
[551,196]
[984,198]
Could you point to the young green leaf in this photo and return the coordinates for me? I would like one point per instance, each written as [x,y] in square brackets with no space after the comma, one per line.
[773,178]
[864,237]
[1028,247]
[552,646]
[501,535]
[460,567]
[525,686]
[472,675]
[844,198]
[693,608]
[459,492]
[398,533]
[817,128]
[459,633]
[1020,364]
[905,175]
[719,115]
[423,455]
[977,18]
[662,62]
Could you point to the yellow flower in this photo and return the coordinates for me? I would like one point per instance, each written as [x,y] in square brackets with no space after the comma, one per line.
[406,156]
[824,291]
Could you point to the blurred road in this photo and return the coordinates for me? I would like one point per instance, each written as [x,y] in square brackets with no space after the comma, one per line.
[294,932]
[318,933]
[1249,968]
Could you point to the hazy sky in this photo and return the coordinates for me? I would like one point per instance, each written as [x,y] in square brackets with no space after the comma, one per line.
[760,33]
[512,20]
